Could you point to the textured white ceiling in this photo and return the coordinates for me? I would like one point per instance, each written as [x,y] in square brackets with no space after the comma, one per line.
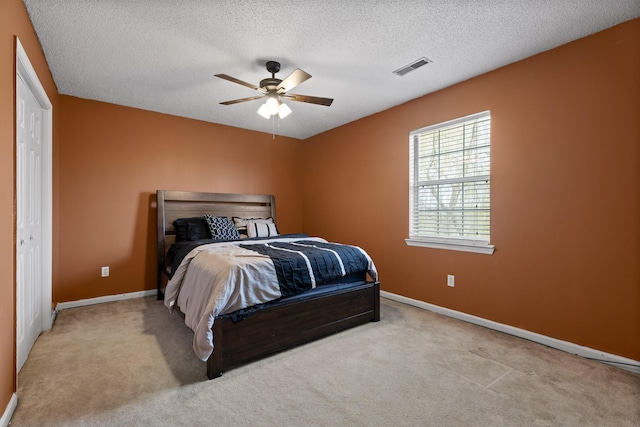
[162,55]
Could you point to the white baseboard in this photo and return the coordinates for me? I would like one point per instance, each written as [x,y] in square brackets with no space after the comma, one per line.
[8,412]
[100,300]
[586,352]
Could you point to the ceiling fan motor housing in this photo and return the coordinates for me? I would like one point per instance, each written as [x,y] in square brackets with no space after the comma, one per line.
[270,84]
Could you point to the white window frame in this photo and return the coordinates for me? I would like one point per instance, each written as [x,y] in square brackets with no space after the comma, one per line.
[443,241]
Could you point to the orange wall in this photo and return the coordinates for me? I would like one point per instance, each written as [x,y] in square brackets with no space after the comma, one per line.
[14,21]
[114,158]
[565,194]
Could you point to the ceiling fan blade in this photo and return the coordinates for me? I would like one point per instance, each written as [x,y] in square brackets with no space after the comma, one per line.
[292,80]
[309,99]
[234,80]
[235,101]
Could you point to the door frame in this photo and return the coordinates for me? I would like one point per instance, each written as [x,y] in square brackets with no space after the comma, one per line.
[26,72]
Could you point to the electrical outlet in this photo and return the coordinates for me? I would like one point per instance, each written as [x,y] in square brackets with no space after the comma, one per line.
[451,280]
[104,272]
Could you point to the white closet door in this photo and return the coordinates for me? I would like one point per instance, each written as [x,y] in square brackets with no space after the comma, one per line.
[29,118]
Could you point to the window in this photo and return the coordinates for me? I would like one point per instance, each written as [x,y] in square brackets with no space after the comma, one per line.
[449,177]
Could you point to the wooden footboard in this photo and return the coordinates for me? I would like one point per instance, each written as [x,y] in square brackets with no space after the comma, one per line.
[288,325]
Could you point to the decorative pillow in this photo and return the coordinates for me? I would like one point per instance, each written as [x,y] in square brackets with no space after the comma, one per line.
[194,228]
[261,229]
[221,228]
[241,223]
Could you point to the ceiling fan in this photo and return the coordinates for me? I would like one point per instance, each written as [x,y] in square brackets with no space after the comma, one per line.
[274,89]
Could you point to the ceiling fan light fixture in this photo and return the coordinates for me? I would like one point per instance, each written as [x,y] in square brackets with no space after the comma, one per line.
[283,110]
[264,111]
[272,104]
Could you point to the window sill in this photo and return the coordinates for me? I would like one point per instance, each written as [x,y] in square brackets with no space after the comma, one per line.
[453,245]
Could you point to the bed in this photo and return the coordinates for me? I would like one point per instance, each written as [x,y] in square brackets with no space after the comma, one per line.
[251,333]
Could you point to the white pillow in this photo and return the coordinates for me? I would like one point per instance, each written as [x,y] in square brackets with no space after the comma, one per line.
[258,228]
[241,223]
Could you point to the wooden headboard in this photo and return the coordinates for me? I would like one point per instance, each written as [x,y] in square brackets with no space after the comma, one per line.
[184,204]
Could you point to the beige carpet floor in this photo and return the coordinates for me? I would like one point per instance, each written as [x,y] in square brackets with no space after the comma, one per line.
[130,363]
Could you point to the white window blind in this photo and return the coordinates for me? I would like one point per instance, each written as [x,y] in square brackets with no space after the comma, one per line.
[450,165]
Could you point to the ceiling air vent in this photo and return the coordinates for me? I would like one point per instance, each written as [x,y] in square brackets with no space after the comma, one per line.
[413,66]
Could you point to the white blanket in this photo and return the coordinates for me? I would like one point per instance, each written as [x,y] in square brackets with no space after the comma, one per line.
[220,278]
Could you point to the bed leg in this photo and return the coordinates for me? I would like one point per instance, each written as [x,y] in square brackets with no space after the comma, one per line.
[212,370]
[214,363]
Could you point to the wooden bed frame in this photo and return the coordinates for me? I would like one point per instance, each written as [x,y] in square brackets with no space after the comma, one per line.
[278,326]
